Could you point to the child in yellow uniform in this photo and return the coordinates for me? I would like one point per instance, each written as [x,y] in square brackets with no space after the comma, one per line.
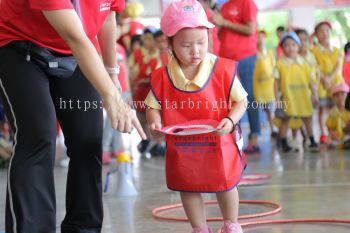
[293,81]
[330,61]
[263,81]
[305,52]
[338,117]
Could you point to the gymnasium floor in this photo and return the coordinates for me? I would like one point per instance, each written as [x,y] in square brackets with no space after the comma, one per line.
[307,185]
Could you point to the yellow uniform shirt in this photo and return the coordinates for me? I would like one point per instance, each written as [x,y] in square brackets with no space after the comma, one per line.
[294,76]
[179,80]
[337,120]
[327,60]
[263,81]
[311,60]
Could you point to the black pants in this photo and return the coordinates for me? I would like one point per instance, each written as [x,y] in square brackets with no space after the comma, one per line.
[32,102]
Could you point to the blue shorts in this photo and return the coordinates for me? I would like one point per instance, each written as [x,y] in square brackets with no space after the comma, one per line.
[326,102]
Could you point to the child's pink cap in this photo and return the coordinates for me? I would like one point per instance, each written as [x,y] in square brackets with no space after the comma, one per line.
[183,14]
[342,87]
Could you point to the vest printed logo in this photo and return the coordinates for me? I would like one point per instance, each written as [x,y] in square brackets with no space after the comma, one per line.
[105,6]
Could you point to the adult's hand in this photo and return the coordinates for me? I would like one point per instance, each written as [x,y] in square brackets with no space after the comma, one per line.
[121,115]
[218,20]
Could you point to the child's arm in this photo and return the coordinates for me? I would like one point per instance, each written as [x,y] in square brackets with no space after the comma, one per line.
[154,119]
[337,69]
[276,90]
[227,124]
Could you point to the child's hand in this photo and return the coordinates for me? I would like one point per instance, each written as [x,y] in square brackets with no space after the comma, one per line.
[225,127]
[154,128]
[334,136]
[315,100]
[326,82]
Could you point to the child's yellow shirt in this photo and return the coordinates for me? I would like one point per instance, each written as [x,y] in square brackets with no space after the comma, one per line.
[337,120]
[294,76]
[311,60]
[263,81]
[181,82]
[327,60]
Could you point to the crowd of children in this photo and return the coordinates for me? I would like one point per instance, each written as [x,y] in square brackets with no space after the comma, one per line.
[308,76]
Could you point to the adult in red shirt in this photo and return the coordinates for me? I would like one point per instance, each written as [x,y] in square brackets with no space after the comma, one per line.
[36,88]
[238,36]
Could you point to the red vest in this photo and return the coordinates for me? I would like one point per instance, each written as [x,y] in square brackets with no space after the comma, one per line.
[205,162]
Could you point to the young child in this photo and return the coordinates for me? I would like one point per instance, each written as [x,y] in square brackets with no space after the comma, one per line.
[330,62]
[193,74]
[141,63]
[163,46]
[338,117]
[263,81]
[279,32]
[131,24]
[293,80]
[305,52]
[346,65]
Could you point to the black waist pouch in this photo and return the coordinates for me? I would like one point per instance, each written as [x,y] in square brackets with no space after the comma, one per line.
[52,63]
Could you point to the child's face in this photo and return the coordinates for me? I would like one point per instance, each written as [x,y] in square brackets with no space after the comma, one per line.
[148,41]
[339,99]
[305,42]
[290,48]
[162,43]
[280,33]
[323,34]
[190,46]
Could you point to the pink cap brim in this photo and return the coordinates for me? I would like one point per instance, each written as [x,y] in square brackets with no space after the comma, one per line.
[173,30]
[340,88]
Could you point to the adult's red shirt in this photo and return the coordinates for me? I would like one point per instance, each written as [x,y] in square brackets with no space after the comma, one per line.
[24,20]
[235,45]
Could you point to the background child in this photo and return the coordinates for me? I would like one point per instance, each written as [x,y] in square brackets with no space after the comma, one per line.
[305,52]
[293,81]
[195,75]
[338,117]
[279,32]
[131,24]
[329,60]
[163,46]
[141,63]
[263,81]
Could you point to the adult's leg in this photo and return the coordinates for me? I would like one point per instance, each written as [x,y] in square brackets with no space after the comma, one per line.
[79,111]
[246,70]
[30,202]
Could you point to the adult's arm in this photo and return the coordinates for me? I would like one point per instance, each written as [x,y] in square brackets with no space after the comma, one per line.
[68,25]
[107,38]
[246,29]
